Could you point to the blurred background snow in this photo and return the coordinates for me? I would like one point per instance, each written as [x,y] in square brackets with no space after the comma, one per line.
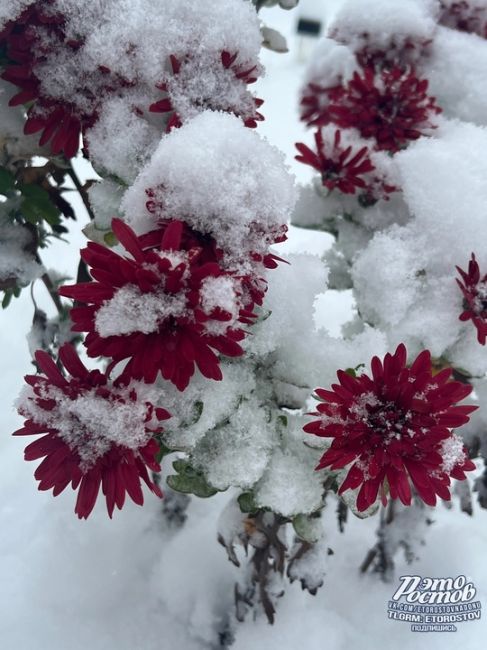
[130,584]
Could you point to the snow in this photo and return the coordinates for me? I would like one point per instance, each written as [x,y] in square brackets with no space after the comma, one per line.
[9,9]
[206,405]
[413,290]
[220,293]
[130,311]
[290,487]
[452,453]
[17,264]
[132,140]
[223,178]
[332,63]
[105,197]
[372,23]
[242,462]
[205,81]
[90,424]
[455,72]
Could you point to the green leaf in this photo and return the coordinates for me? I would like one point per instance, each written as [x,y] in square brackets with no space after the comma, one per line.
[7,181]
[163,451]
[9,294]
[37,204]
[353,371]
[282,420]
[110,239]
[197,411]
[189,480]
[307,528]
[247,503]
[7,299]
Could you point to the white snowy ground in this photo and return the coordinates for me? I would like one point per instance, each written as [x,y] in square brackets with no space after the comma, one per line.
[128,584]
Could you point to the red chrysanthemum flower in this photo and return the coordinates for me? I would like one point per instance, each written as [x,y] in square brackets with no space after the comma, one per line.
[60,122]
[254,284]
[28,41]
[474,289]
[340,167]
[395,427]
[187,89]
[314,102]
[96,434]
[392,106]
[465,16]
[164,309]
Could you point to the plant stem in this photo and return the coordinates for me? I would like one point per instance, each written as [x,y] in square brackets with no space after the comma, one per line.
[51,288]
[82,192]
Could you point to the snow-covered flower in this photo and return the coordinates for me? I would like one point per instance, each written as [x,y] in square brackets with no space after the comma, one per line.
[28,41]
[474,289]
[340,167]
[391,106]
[96,434]
[165,308]
[393,427]
[466,16]
[197,84]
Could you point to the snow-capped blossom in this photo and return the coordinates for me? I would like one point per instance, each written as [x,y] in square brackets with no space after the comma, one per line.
[392,106]
[474,289]
[470,17]
[200,83]
[253,284]
[340,167]
[393,427]
[60,122]
[382,37]
[32,42]
[96,434]
[224,180]
[273,234]
[154,308]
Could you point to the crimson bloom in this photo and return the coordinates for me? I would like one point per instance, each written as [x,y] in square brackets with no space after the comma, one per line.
[186,90]
[165,308]
[340,167]
[60,122]
[394,427]
[28,41]
[95,434]
[474,289]
[392,106]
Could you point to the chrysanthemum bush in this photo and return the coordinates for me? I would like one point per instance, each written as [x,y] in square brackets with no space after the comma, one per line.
[197,349]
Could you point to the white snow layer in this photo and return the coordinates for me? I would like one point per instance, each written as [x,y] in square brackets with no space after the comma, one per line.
[379,24]
[221,178]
